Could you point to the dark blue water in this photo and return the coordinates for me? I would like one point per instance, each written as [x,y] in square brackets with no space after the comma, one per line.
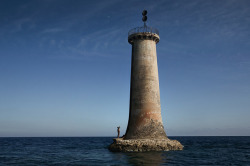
[93,151]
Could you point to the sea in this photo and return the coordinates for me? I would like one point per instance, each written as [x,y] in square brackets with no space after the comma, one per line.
[94,151]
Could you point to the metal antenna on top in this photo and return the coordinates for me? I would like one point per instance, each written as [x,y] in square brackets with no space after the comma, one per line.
[144,18]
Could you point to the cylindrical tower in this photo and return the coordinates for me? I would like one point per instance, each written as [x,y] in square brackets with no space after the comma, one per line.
[145,130]
[145,121]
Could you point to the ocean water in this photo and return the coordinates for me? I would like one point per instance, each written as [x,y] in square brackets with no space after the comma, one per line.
[94,151]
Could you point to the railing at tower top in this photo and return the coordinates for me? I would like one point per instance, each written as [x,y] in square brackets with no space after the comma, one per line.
[143,29]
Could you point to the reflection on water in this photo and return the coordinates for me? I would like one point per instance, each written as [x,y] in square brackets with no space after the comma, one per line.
[146,158]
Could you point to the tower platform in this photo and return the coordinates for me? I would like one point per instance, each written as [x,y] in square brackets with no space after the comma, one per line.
[144,145]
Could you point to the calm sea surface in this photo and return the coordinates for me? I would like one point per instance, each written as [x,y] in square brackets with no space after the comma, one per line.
[93,151]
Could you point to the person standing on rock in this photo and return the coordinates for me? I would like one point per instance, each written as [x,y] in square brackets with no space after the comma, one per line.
[118,131]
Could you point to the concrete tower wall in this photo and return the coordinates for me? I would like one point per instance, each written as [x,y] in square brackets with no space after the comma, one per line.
[145,119]
[145,130]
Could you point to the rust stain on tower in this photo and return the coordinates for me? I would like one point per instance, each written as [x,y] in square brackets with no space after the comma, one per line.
[145,125]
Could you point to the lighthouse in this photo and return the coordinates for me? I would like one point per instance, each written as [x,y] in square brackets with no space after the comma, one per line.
[145,131]
[145,119]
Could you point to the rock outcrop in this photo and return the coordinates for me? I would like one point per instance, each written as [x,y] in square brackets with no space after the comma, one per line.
[142,145]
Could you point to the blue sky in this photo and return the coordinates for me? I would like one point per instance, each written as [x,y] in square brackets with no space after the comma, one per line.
[65,66]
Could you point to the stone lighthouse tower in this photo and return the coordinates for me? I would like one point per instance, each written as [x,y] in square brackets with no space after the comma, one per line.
[145,130]
[145,119]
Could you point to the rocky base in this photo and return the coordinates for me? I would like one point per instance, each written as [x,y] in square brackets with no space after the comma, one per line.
[142,145]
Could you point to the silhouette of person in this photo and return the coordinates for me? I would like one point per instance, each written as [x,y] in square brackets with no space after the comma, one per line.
[118,131]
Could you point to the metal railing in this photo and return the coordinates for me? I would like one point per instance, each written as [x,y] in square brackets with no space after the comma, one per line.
[143,29]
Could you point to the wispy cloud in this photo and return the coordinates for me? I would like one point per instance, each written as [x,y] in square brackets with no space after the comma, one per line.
[53,30]
[98,43]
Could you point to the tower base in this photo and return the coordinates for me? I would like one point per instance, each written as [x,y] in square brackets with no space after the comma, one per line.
[142,145]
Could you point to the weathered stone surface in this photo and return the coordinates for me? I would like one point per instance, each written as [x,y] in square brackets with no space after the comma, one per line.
[150,130]
[145,121]
[142,145]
